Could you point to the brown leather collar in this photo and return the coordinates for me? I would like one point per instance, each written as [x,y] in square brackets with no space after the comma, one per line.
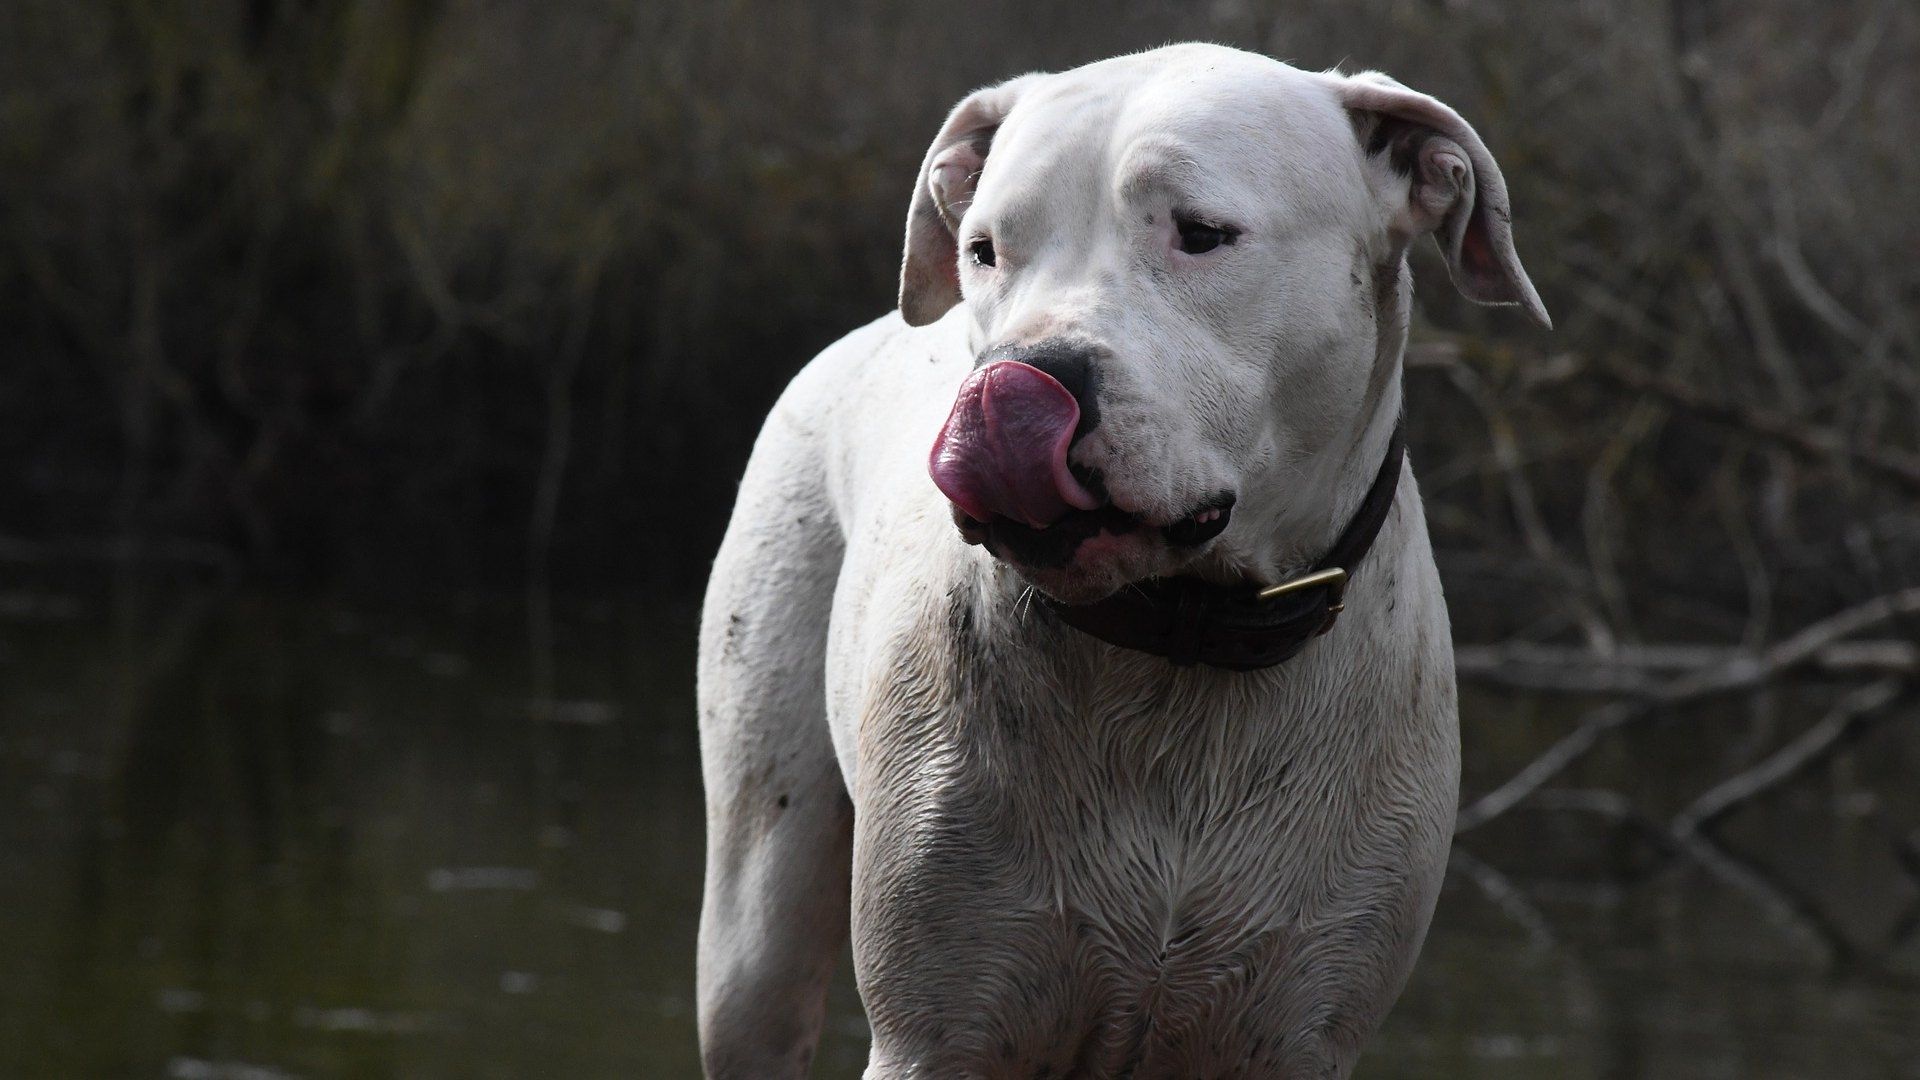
[1242,628]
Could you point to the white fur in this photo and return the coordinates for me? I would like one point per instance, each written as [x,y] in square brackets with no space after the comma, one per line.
[1061,858]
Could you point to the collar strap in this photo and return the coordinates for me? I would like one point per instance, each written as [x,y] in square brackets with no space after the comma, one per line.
[1240,627]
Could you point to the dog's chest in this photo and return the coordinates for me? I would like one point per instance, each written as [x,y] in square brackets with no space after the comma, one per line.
[1138,881]
[1074,867]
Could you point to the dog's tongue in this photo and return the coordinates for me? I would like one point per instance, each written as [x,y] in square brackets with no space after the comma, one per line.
[1004,447]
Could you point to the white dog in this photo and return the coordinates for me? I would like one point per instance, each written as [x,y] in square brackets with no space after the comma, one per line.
[1079,752]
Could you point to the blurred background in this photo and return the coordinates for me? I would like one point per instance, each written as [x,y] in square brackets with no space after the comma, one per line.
[377,374]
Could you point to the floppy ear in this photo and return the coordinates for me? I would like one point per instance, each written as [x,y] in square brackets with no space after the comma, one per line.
[930,272]
[1454,191]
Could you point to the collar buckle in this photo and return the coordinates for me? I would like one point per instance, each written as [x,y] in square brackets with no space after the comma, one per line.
[1333,579]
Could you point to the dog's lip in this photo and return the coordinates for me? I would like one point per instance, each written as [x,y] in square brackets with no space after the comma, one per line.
[972,529]
[1202,524]
[1199,525]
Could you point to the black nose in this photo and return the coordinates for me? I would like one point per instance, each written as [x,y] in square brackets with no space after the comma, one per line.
[1074,365]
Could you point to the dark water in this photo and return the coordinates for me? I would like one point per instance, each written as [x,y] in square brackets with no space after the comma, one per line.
[247,838]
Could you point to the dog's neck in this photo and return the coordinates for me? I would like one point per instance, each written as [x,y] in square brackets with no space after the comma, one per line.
[1152,630]
[1298,526]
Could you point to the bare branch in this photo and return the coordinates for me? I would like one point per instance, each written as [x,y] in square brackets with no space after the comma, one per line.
[1637,669]
[1814,745]
[1739,673]
[1505,895]
[1783,905]
[1822,445]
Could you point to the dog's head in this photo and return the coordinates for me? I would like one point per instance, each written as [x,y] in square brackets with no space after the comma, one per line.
[1184,275]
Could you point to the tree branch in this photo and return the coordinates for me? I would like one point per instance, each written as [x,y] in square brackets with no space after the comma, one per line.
[1740,673]
[1818,444]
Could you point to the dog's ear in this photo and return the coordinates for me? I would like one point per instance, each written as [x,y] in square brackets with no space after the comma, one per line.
[930,271]
[1453,187]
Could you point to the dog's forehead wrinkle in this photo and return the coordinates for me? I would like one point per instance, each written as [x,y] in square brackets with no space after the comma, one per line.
[1043,197]
[1176,120]
[1155,166]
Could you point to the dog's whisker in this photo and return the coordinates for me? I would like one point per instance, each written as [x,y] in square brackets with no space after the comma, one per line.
[1023,604]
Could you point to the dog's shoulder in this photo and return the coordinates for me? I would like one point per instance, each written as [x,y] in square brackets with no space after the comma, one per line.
[868,366]
[868,406]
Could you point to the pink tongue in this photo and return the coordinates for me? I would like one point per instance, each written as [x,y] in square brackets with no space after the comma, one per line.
[1004,447]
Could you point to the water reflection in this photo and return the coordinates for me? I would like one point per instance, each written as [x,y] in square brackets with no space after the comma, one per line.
[250,838]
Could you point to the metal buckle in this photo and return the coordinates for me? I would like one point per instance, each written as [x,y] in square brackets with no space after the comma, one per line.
[1335,580]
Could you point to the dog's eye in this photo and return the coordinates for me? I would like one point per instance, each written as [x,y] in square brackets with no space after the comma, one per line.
[1197,237]
[982,252]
